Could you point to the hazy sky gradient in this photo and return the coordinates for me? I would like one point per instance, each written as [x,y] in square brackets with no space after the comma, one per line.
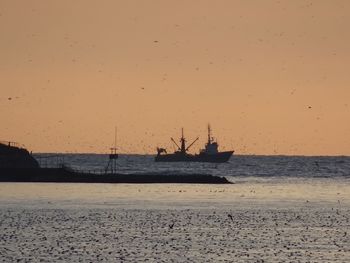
[272,77]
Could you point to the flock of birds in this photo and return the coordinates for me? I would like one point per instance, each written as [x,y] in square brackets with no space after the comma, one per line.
[311,233]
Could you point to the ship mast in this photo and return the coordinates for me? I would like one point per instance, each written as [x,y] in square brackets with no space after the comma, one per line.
[183,141]
[183,149]
[209,134]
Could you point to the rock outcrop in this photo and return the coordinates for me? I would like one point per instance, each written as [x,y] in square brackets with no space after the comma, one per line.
[12,156]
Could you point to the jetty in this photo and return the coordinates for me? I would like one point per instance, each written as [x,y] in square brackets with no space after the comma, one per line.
[19,165]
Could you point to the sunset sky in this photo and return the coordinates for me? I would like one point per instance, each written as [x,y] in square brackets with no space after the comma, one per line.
[272,77]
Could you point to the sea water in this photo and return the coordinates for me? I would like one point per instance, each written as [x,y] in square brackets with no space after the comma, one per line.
[238,166]
[278,209]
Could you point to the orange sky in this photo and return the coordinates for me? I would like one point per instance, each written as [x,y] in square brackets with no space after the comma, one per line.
[272,77]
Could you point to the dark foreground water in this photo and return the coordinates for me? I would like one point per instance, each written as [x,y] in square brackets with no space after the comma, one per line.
[280,209]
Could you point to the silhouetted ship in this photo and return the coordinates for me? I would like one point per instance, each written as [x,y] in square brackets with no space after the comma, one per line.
[209,154]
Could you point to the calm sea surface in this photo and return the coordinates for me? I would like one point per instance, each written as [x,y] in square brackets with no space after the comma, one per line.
[238,166]
[257,180]
[279,209]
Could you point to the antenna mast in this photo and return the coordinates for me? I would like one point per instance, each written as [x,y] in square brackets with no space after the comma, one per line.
[183,141]
[209,135]
[112,164]
[115,139]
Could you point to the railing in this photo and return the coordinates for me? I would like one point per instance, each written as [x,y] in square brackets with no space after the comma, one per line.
[99,171]
[50,161]
[84,171]
[12,144]
[58,161]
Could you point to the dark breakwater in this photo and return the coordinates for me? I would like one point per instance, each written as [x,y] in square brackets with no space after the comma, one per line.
[62,175]
[18,165]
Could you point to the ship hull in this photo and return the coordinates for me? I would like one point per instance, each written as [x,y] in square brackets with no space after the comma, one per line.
[220,157]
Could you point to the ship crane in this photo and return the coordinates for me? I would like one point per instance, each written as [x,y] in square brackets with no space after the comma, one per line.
[192,143]
[183,148]
[178,147]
